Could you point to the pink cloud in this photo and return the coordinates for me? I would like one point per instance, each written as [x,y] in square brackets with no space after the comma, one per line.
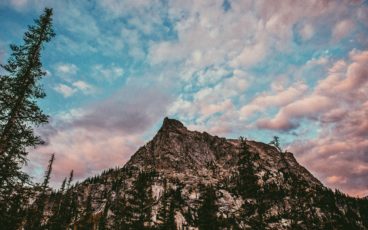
[85,152]
[338,154]
[343,88]
[307,107]
[99,136]
[266,100]
[336,180]
[342,28]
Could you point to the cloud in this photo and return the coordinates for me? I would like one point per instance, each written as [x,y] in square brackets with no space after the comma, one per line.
[251,54]
[65,68]
[307,31]
[109,73]
[318,61]
[267,100]
[19,4]
[102,135]
[343,86]
[336,180]
[342,28]
[65,90]
[125,113]
[338,152]
[309,107]
[210,100]
[229,69]
[84,87]
[77,86]
[66,71]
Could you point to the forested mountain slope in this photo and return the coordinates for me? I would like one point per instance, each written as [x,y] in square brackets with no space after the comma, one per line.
[185,179]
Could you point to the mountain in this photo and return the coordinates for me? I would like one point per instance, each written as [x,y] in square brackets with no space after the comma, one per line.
[184,179]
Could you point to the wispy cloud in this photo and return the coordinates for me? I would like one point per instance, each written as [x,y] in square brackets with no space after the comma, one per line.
[77,86]
[109,73]
[65,90]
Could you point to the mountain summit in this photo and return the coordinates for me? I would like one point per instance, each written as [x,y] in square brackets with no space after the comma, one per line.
[184,179]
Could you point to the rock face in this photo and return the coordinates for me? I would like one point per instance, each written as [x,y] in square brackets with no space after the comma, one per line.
[185,179]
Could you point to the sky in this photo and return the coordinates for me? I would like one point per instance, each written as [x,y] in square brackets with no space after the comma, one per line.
[294,69]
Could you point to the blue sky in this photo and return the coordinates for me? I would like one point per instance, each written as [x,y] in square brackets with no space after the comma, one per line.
[296,69]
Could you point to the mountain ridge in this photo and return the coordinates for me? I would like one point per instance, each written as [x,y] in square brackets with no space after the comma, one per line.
[184,179]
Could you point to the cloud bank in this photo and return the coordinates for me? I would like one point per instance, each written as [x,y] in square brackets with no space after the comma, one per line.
[296,69]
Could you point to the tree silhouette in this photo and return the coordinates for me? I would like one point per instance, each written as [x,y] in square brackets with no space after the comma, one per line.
[276,143]
[35,215]
[19,112]
[207,219]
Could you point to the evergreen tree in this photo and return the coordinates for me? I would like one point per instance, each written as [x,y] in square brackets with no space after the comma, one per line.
[70,179]
[13,219]
[207,219]
[140,201]
[122,214]
[248,180]
[65,206]
[53,222]
[18,92]
[35,216]
[118,207]
[69,204]
[85,222]
[170,223]
[102,224]
[19,111]
[171,201]
[276,143]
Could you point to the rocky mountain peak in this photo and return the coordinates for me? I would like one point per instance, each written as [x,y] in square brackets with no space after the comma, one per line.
[183,177]
[171,125]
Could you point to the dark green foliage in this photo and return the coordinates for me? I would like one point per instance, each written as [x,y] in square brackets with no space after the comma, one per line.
[12,220]
[85,222]
[19,113]
[102,223]
[207,218]
[276,143]
[171,202]
[143,199]
[248,180]
[64,206]
[139,201]
[118,207]
[35,213]
[18,94]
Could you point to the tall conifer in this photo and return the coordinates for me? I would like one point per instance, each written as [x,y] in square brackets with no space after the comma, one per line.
[19,112]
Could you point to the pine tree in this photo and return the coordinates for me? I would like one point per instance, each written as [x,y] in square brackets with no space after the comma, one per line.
[54,220]
[13,219]
[140,201]
[171,201]
[102,223]
[65,206]
[276,142]
[118,207]
[70,179]
[85,222]
[35,216]
[122,216]
[170,223]
[68,206]
[19,112]
[248,180]
[207,219]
